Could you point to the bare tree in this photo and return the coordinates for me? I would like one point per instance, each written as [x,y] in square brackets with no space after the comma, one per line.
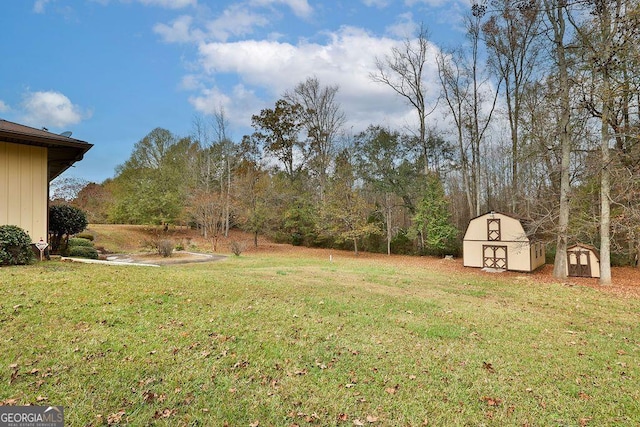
[606,38]
[402,71]
[465,91]
[555,14]
[512,37]
[323,119]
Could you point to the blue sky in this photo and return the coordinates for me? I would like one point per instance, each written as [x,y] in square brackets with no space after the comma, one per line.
[110,71]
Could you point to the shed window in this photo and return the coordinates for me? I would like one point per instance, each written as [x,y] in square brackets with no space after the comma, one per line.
[493,229]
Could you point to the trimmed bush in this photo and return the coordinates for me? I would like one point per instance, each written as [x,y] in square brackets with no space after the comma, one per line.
[65,220]
[87,236]
[165,248]
[79,241]
[83,252]
[237,247]
[15,246]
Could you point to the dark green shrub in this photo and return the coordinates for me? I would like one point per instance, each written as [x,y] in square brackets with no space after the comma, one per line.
[79,241]
[83,252]
[15,246]
[65,220]
[401,244]
[87,236]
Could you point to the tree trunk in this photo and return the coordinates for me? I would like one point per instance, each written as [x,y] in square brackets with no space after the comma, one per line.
[605,189]
[556,16]
[388,209]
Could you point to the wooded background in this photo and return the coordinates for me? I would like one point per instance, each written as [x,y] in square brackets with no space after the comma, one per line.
[542,106]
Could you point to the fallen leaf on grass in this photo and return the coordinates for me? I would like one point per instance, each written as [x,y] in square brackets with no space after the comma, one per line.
[115,418]
[312,418]
[149,396]
[357,422]
[585,421]
[491,401]
[41,398]
[584,396]
[488,366]
[343,417]
[392,390]
[165,413]
[15,373]
[372,419]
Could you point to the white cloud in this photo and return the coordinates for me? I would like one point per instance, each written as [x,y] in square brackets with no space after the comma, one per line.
[239,105]
[300,8]
[236,20]
[405,27]
[179,31]
[377,3]
[50,109]
[167,4]
[170,4]
[3,107]
[271,67]
[39,6]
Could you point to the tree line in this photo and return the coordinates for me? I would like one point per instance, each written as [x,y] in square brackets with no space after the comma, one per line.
[542,108]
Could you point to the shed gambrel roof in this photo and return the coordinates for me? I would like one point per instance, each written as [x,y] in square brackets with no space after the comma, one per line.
[529,226]
[63,151]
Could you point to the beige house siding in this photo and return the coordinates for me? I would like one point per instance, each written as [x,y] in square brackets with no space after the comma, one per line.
[23,188]
[496,233]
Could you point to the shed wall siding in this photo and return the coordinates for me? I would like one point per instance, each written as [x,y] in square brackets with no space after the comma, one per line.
[23,188]
[518,254]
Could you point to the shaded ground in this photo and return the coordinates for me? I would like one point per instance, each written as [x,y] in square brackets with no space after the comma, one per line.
[133,240]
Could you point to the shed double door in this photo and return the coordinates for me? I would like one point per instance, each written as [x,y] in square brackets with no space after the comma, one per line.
[579,264]
[494,256]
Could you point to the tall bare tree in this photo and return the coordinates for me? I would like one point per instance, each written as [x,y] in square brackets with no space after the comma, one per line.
[606,38]
[471,97]
[555,14]
[322,118]
[512,37]
[403,71]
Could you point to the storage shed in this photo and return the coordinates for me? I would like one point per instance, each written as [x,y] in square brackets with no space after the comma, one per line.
[583,261]
[499,241]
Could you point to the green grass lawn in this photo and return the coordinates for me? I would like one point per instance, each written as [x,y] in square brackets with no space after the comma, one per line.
[277,341]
